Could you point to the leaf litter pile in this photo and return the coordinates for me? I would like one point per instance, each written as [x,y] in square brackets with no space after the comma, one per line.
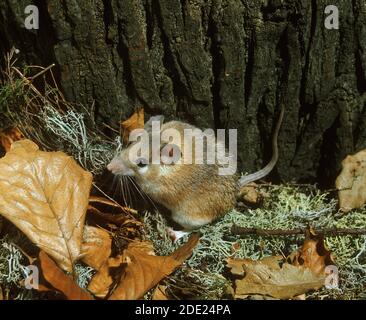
[285,242]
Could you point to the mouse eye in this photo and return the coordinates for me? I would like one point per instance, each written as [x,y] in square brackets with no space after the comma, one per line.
[141,162]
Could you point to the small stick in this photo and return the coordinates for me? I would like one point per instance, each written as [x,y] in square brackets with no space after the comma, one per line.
[236,230]
[110,128]
[43,71]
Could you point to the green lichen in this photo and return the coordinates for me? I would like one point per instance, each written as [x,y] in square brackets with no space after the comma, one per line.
[13,264]
[83,275]
[285,207]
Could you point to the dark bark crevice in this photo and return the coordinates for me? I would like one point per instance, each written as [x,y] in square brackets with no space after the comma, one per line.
[217,67]
[179,88]
[108,20]
[249,69]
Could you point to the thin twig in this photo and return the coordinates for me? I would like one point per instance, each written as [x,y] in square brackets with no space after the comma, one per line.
[43,71]
[237,230]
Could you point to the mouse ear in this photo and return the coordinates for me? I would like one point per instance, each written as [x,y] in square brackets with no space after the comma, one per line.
[148,124]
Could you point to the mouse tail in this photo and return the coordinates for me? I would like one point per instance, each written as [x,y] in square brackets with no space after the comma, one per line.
[244,180]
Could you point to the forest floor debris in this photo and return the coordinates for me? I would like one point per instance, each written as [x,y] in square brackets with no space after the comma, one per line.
[54,124]
[285,207]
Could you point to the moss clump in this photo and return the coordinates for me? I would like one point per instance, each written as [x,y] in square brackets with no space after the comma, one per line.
[43,115]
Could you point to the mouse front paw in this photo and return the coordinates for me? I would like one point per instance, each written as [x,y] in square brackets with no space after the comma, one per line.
[175,235]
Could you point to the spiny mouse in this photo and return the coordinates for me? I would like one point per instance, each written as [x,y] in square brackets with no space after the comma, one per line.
[195,193]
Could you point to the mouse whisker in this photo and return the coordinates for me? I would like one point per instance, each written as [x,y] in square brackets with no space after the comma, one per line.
[120,193]
[143,194]
[133,183]
[124,187]
[116,187]
[128,187]
[112,185]
[126,192]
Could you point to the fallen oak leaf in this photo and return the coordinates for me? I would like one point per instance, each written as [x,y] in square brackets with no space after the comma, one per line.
[45,194]
[272,277]
[101,261]
[143,246]
[7,137]
[102,281]
[143,271]
[160,293]
[43,288]
[96,250]
[60,281]
[112,204]
[304,267]
[117,219]
[111,211]
[124,225]
[313,254]
[136,121]
[96,247]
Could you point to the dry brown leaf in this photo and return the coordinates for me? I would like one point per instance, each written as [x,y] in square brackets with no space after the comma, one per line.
[117,219]
[235,247]
[101,283]
[143,246]
[60,281]
[271,277]
[96,250]
[301,297]
[160,293]
[250,194]
[144,271]
[7,137]
[124,222]
[274,277]
[136,121]
[351,182]
[113,204]
[96,247]
[43,288]
[45,194]
[313,254]
[110,211]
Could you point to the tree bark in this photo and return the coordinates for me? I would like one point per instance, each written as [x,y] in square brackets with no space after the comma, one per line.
[215,63]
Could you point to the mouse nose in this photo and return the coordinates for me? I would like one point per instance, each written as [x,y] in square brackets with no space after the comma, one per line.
[110,167]
[115,166]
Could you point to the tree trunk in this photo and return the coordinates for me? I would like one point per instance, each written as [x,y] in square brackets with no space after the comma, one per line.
[215,63]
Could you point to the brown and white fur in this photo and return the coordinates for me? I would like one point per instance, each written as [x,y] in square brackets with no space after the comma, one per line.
[194,193]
